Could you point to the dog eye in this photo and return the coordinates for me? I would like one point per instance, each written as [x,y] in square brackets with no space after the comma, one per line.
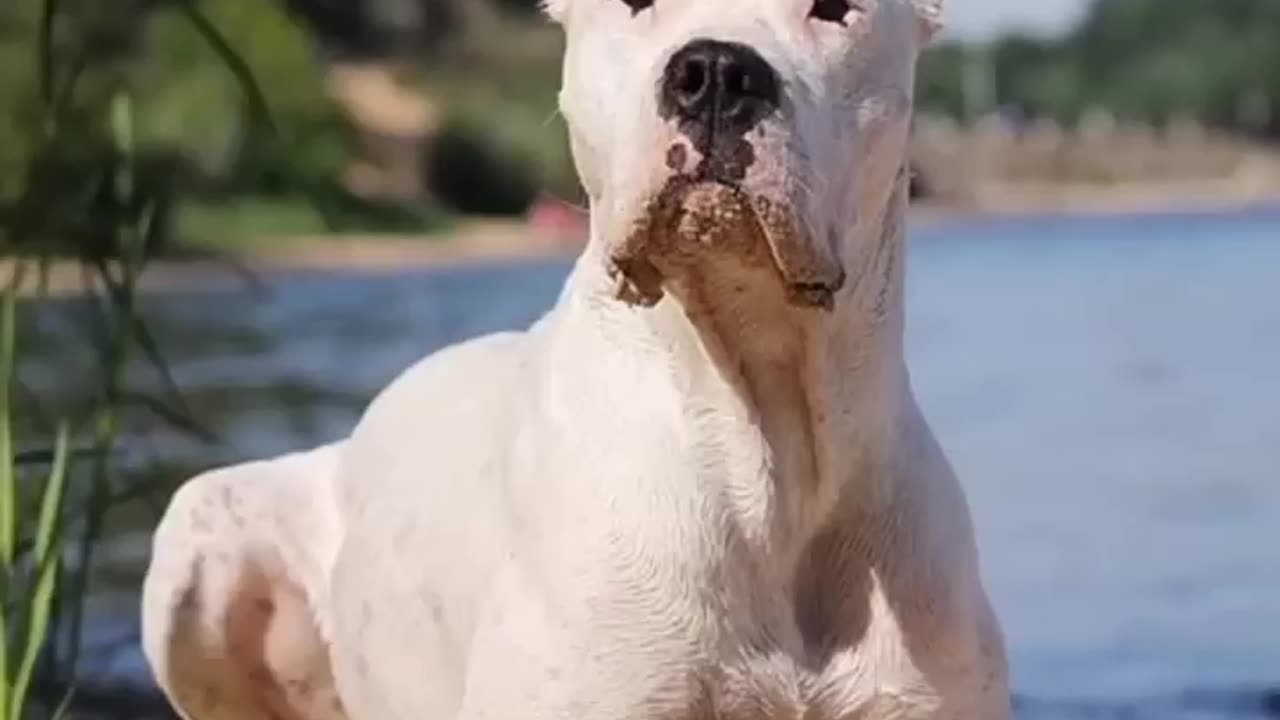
[637,6]
[836,11]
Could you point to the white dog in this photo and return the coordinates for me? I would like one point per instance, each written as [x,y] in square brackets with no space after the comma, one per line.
[698,489]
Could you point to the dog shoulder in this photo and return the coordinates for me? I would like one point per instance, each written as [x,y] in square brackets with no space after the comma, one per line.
[449,375]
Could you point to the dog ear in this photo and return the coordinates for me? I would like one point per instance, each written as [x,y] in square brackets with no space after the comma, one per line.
[930,14]
[555,9]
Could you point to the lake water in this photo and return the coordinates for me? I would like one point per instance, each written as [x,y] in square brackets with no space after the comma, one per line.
[1108,389]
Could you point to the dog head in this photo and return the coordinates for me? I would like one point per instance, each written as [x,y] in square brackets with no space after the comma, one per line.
[761,130]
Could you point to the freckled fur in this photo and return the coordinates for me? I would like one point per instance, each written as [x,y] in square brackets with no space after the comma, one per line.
[698,489]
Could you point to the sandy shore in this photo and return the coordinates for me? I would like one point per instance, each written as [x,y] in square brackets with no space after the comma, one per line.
[1030,198]
[478,242]
[474,243]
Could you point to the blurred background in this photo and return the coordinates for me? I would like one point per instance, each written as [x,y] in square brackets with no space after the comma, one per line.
[226,224]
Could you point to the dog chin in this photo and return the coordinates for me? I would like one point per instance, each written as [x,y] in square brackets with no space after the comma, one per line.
[691,221]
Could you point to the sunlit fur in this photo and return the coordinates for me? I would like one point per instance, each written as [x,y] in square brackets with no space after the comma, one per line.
[703,492]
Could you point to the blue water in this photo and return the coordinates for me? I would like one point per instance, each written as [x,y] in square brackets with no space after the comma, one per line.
[1108,389]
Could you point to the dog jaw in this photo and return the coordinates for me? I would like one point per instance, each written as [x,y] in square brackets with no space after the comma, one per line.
[691,222]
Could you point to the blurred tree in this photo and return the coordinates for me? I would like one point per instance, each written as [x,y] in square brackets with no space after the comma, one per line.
[190,106]
[343,26]
[522,7]
[490,70]
[195,106]
[1150,60]
[941,82]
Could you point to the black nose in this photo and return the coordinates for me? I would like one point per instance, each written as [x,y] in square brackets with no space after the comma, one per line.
[718,89]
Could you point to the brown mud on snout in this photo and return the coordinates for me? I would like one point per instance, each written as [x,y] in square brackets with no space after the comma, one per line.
[696,220]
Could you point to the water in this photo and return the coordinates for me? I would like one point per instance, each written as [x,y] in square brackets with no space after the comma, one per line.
[1108,389]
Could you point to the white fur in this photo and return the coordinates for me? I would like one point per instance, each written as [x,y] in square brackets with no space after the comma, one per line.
[555,9]
[723,506]
[931,14]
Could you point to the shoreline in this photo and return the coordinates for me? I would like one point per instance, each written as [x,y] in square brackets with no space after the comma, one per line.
[1181,197]
[480,242]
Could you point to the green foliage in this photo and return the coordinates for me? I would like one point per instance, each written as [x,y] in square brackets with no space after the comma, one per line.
[475,173]
[95,181]
[1147,60]
[940,81]
[192,105]
[204,129]
[503,134]
[30,553]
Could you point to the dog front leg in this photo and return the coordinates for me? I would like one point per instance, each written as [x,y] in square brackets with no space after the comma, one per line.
[229,619]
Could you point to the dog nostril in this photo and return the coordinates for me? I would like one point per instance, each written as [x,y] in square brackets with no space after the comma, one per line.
[693,79]
[737,82]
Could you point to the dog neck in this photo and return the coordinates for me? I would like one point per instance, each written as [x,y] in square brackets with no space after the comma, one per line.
[795,404]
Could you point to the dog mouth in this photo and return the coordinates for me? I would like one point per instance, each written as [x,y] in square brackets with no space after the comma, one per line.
[708,215]
[693,216]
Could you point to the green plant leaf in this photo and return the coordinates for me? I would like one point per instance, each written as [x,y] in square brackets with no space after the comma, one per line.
[47,562]
[63,710]
[4,663]
[179,417]
[44,456]
[49,525]
[8,484]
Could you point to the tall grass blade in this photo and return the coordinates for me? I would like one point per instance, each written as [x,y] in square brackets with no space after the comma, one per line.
[4,663]
[45,456]
[258,105]
[47,561]
[117,302]
[8,486]
[179,417]
[122,131]
[8,483]
[63,711]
